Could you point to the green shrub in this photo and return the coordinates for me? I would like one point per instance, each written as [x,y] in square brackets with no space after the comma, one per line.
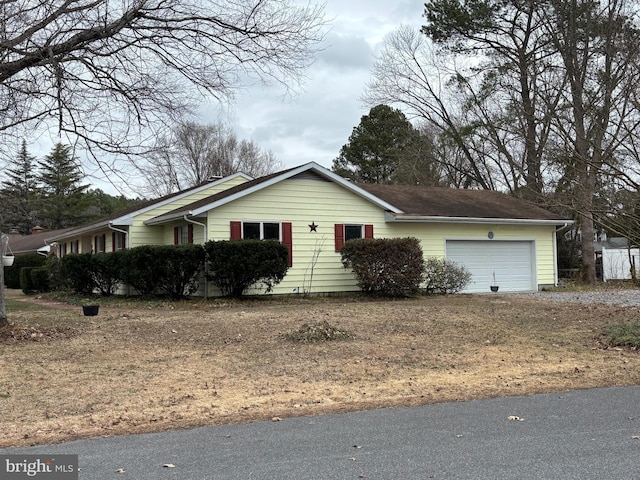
[623,335]
[40,279]
[387,266]
[444,276]
[76,270]
[12,273]
[142,269]
[182,264]
[56,281]
[236,265]
[106,271]
[25,280]
[318,332]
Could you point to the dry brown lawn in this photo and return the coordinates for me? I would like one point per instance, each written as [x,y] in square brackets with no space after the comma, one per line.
[128,370]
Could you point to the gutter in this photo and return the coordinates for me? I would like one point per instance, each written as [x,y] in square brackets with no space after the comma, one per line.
[394,218]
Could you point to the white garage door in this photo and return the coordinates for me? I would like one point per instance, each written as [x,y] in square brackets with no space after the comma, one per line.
[512,262]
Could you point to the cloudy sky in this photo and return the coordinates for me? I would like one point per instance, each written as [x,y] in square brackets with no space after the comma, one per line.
[313,125]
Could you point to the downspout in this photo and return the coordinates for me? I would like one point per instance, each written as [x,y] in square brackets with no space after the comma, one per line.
[126,245]
[204,240]
[126,234]
[556,273]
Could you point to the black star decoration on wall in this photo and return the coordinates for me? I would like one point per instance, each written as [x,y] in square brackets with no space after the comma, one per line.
[313,227]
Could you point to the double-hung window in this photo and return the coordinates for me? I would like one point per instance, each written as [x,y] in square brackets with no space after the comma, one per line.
[261,231]
[350,231]
[118,241]
[183,235]
[100,243]
[253,230]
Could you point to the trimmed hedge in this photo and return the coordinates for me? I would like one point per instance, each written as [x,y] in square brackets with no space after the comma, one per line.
[106,271]
[76,271]
[12,273]
[386,266]
[25,280]
[143,265]
[40,279]
[150,269]
[182,264]
[236,265]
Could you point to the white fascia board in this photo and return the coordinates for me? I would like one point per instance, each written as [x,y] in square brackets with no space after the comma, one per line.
[117,221]
[292,173]
[393,218]
[80,230]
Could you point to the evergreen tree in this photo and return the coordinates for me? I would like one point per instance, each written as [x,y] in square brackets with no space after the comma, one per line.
[62,194]
[19,192]
[384,148]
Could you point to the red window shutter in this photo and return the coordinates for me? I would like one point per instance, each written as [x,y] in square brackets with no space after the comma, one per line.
[113,241]
[190,233]
[339,236]
[236,230]
[287,239]
[176,235]
[95,244]
[368,231]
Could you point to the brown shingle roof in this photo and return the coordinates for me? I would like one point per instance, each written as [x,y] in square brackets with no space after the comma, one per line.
[31,243]
[448,202]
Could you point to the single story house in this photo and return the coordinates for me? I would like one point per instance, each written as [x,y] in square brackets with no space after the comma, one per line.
[314,211]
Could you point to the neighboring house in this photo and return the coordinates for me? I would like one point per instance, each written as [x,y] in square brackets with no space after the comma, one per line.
[34,243]
[614,259]
[314,211]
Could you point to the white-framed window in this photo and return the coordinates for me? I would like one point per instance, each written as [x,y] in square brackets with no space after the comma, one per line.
[119,241]
[183,235]
[352,232]
[99,244]
[261,231]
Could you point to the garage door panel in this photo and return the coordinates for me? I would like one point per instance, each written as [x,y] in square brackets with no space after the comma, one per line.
[512,262]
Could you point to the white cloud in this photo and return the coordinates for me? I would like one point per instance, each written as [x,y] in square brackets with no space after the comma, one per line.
[314,125]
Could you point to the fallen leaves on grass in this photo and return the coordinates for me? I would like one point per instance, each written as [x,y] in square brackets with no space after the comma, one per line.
[36,333]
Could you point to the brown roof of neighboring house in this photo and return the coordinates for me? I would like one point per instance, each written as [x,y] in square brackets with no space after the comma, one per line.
[31,243]
[415,200]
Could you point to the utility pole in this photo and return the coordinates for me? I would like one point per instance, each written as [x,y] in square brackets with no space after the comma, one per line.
[4,241]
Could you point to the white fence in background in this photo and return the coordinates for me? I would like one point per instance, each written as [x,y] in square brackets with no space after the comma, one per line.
[616,264]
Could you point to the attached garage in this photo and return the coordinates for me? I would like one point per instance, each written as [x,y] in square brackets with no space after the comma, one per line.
[512,261]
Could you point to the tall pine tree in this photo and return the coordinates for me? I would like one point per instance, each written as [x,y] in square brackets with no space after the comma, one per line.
[386,148]
[60,177]
[19,192]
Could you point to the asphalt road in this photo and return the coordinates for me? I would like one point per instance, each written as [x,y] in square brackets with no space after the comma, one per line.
[587,434]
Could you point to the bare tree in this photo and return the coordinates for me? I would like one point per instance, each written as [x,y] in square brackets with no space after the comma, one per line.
[487,109]
[534,97]
[193,153]
[110,74]
[599,46]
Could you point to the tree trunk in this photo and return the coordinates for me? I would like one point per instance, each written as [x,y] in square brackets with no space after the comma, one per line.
[588,251]
[4,240]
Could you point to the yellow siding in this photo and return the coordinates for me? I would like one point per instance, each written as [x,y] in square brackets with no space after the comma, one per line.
[316,266]
[141,234]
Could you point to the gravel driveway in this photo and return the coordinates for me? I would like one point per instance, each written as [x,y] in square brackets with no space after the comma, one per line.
[626,298]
